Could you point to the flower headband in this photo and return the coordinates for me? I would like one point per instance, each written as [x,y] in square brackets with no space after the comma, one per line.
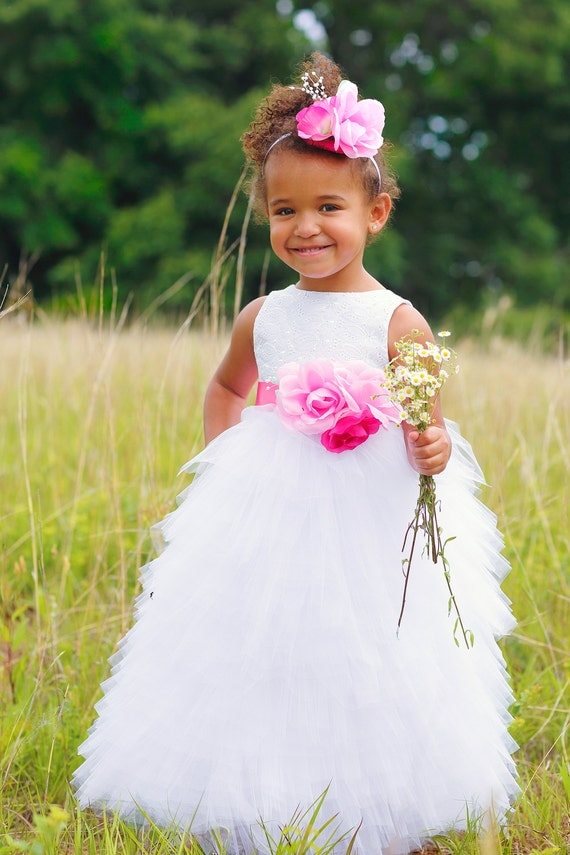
[340,122]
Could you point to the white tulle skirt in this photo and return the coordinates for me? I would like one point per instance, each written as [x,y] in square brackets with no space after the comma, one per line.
[264,665]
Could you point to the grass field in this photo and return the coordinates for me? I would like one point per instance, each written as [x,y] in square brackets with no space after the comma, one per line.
[95,421]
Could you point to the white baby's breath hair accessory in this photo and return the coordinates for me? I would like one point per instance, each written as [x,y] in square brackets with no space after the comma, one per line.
[313,85]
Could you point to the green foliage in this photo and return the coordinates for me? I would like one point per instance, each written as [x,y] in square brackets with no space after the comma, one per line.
[542,327]
[119,130]
[48,831]
[120,123]
[308,833]
[478,106]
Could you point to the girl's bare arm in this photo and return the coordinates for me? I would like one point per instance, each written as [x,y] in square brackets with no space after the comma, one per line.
[428,452]
[228,389]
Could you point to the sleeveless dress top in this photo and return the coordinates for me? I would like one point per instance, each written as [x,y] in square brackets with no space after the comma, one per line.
[298,326]
[263,666]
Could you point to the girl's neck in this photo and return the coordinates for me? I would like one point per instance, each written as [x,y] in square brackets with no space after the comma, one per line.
[338,284]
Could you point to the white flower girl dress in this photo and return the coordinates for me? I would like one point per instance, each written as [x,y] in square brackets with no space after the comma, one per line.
[263,665]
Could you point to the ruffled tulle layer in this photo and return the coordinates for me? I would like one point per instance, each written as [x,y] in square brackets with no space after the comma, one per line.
[264,665]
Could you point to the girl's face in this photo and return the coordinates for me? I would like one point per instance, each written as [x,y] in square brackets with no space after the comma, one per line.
[320,218]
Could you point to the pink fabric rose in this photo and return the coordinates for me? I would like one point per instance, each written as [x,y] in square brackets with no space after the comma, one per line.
[343,123]
[363,389]
[344,403]
[309,397]
[315,123]
[350,431]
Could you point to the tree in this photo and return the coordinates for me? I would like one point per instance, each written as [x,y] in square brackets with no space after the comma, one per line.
[120,123]
[119,129]
[478,107]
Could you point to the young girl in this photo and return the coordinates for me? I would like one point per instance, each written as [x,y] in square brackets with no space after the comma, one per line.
[264,665]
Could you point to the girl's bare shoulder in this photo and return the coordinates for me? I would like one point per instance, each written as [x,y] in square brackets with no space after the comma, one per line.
[405,320]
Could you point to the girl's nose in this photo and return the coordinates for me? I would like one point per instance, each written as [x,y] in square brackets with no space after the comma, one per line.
[306,225]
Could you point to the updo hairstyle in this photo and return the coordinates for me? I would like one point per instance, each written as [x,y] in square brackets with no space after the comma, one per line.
[275,116]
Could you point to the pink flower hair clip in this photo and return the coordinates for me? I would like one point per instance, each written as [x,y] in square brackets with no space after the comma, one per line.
[343,123]
[340,122]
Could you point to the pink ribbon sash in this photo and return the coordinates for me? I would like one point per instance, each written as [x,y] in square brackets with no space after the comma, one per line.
[265,393]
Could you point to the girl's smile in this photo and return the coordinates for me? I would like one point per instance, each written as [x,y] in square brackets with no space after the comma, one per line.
[310,250]
[320,218]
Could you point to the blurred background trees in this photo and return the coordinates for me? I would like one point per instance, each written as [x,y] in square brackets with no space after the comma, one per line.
[120,123]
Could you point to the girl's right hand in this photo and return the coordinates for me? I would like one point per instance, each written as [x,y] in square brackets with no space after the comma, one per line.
[429,451]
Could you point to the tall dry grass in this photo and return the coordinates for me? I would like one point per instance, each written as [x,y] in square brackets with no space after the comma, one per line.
[96,417]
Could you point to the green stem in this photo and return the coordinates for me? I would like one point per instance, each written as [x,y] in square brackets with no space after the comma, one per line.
[408,562]
[425,518]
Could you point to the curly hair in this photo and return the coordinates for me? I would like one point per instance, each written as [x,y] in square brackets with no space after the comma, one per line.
[275,117]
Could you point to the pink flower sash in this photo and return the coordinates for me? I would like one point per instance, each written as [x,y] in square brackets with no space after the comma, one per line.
[266,393]
[340,403]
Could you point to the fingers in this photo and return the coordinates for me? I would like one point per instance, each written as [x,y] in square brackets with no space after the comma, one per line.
[430,450]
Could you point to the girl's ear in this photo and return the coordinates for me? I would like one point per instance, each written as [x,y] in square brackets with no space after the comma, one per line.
[379,213]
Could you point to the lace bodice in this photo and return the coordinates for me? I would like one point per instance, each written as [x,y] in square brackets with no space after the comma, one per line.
[297,326]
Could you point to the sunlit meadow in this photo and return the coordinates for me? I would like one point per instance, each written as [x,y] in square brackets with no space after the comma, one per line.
[96,417]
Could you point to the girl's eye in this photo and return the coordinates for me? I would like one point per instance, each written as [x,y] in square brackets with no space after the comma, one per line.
[330,207]
[283,212]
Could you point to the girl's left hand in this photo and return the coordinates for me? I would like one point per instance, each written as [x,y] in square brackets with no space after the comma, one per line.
[428,452]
